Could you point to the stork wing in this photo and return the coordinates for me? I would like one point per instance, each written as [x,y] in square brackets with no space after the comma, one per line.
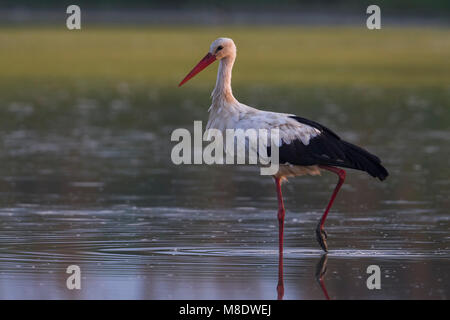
[327,148]
[293,135]
[324,148]
[304,142]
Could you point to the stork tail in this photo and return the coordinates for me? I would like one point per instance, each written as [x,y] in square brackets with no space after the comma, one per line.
[360,159]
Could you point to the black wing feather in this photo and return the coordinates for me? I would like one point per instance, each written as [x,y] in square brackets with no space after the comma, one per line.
[328,148]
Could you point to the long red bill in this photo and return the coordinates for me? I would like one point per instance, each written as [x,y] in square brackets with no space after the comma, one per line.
[206,61]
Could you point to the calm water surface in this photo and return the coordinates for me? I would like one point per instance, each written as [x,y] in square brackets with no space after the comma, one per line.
[89,181]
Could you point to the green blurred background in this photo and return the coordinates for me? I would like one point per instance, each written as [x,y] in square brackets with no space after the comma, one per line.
[282,43]
[290,53]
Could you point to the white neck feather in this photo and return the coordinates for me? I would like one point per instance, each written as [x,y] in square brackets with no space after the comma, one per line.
[222,92]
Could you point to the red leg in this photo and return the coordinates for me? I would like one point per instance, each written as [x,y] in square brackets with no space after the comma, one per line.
[280,286]
[281,214]
[320,232]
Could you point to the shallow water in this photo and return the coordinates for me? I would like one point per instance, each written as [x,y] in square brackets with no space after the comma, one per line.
[90,183]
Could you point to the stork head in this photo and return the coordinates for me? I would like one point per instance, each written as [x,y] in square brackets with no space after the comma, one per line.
[221,48]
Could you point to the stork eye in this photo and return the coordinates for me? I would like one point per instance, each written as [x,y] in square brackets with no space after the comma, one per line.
[219,48]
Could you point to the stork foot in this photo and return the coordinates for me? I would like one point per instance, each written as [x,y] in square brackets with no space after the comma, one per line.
[321,236]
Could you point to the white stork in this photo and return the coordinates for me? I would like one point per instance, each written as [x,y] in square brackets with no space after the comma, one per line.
[307,147]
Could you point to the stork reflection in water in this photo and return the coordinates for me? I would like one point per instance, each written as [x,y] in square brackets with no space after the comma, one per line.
[321,270]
